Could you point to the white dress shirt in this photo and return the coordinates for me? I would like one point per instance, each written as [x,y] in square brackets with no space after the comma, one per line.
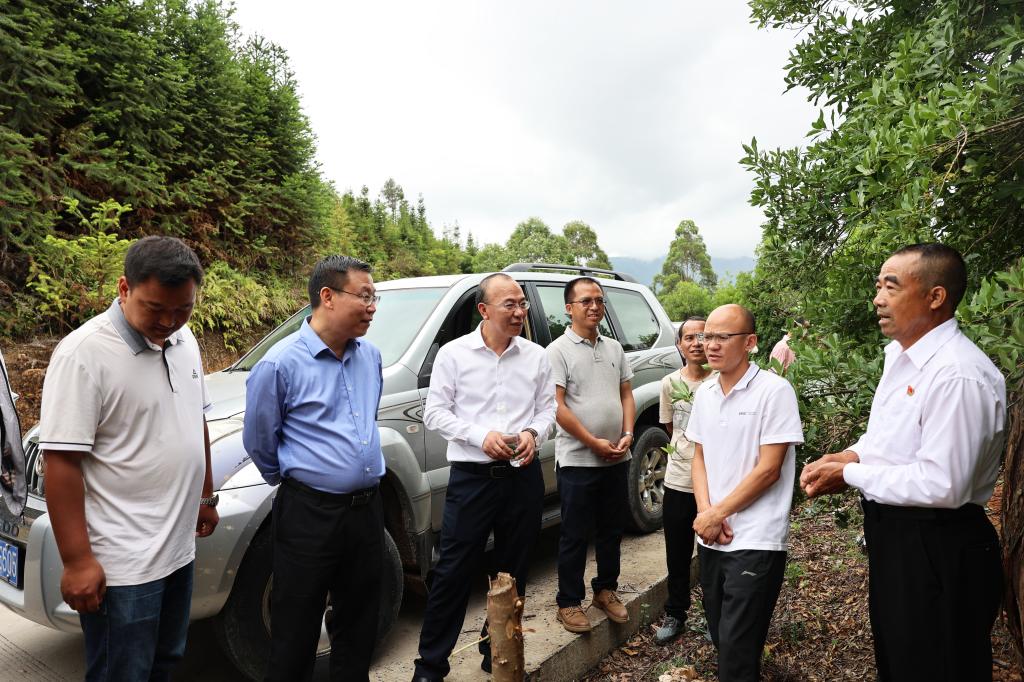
[937,425]
[474,391]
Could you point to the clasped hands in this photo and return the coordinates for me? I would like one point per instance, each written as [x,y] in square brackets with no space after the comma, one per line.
[824,476]
[712,527]
[495,447]
[605,449]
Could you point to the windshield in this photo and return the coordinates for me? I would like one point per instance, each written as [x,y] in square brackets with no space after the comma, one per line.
[399,316]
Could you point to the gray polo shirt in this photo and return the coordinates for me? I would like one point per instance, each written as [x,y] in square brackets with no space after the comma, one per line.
[591,375]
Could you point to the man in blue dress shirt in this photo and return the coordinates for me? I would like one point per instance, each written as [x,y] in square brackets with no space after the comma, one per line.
[310,426]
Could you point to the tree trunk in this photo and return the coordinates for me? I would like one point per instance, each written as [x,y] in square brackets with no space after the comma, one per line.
[505,625]
[1012,522]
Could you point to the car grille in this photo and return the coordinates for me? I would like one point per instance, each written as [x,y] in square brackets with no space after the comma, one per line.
[34,469]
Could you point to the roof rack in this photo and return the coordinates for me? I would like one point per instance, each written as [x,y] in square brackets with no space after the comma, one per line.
[583,270]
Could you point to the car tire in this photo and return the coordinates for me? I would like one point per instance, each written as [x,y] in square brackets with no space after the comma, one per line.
[647,480]
[243,625]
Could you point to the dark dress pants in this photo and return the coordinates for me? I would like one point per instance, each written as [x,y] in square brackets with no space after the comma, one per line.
[325,544]
[740,591]
[935,585]
[480,499]
[679,511]
[594,502]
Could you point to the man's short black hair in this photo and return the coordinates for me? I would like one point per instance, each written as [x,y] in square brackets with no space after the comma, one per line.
[168,259]
[691,318]
[940,266]
[485,285]
[570,286]
[332,272]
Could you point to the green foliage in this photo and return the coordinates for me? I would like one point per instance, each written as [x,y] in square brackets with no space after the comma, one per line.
[533,242]
[687,260]
[683,298]
[232,302]
[920,138]
[76,278]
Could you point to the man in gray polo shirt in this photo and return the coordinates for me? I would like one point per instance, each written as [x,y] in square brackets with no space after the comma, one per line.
[595,415]
[128,478]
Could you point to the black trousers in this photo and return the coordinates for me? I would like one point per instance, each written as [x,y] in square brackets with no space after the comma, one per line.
[935,585]
[678,513]
[595,501]
[481,498]
[324,544]
[740,591]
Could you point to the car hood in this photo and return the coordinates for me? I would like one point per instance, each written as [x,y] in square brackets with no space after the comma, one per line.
[227,393]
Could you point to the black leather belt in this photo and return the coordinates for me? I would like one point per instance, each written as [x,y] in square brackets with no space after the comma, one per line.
[489,469]
[878,511]
[356,498]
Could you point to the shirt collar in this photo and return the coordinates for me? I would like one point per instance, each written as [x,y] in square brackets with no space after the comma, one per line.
[922,351]
[315,345]
[576,338]
[135,341]
[744,381]
[476,340]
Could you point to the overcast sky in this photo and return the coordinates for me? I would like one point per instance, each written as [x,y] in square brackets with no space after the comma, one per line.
[626,115]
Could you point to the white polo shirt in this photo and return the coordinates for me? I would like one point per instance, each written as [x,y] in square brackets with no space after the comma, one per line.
[137,410]
[761,409]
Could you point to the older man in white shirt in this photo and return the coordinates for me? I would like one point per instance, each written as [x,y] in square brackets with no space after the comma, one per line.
[493,399]
[925,467]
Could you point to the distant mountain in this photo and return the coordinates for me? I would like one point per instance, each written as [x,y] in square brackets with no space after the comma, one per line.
[645,270]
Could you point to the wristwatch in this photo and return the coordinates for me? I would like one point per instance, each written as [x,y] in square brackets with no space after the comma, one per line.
[210,501]
[532,433]
[627,433]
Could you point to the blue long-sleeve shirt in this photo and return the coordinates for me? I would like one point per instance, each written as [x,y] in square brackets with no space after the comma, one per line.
[312,417]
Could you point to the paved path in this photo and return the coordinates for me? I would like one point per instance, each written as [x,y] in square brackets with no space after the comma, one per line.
[33,653]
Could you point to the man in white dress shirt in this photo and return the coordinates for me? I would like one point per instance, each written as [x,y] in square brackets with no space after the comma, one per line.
[926,467]
[485,388]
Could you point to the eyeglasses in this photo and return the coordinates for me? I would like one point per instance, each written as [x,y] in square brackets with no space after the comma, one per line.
[690,338]
[509,306]
[587,302]
[719,338]
[367,299]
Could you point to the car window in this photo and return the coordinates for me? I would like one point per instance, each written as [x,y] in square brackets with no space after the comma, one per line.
[400,315]
[639,325]
[552,302]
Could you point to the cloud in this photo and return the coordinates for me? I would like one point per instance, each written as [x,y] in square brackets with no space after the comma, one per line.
[628,116]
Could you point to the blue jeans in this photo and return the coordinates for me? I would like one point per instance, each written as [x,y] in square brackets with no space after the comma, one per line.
[139,631]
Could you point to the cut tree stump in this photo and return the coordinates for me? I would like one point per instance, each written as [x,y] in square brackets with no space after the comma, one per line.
[505,626]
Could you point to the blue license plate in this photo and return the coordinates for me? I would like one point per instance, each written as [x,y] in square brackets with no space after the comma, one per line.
[10,563]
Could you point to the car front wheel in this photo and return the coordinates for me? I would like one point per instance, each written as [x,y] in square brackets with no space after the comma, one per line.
[243,625]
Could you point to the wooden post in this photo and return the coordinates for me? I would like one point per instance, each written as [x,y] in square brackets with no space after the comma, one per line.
[505,625]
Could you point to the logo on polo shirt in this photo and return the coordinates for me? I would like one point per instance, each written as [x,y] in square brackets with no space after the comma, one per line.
[195,375]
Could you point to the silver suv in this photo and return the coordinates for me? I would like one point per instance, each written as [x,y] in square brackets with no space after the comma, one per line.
[414,319]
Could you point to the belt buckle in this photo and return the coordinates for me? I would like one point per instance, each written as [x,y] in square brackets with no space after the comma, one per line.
[500,471]
[361,498]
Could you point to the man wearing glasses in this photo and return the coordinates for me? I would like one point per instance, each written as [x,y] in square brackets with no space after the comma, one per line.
[595,418]
[491,397]
[744,426]
[311,426]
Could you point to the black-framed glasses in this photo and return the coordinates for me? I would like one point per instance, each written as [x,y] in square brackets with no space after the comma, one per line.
[720,337]
[587,302]
[367,299]
[510,306]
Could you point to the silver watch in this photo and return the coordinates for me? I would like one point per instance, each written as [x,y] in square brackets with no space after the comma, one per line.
[210,501]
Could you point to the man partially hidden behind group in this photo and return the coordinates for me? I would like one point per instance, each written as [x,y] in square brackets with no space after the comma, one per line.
[926,467]
[595,418]
[491,397]
[744,425]
[311,426]
[128,479]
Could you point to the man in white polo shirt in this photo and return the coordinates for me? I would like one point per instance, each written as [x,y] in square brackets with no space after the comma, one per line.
[744,426]
[926,467]
[127,463]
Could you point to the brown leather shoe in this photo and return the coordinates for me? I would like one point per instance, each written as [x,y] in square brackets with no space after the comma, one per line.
[574,619]
[608,601]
